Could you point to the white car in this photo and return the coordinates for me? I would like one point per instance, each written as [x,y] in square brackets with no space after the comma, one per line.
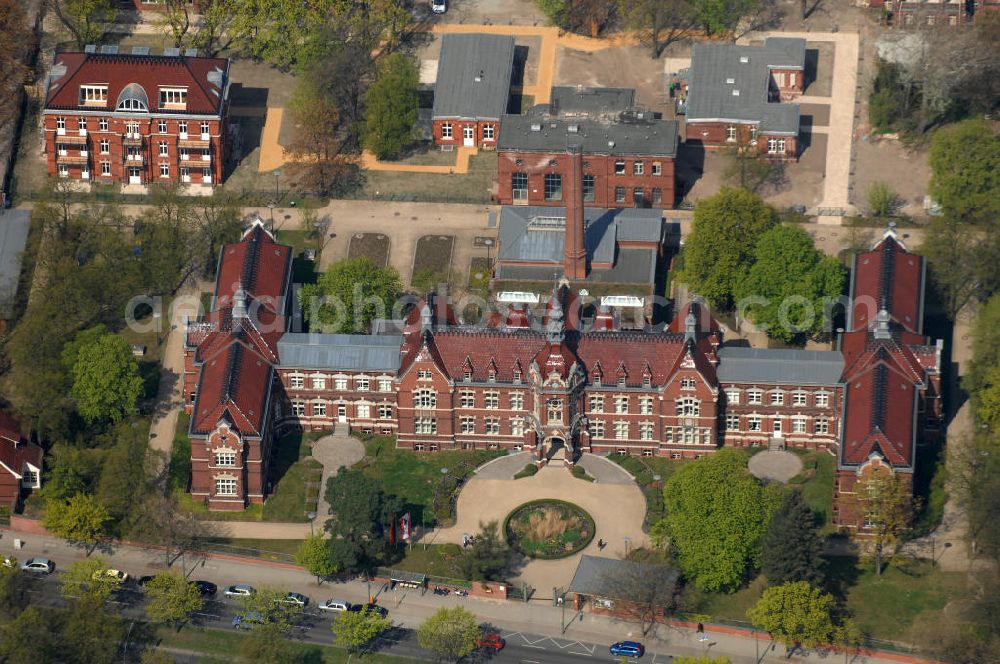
[39,566]
[439,6]
[239,590]
[337,605]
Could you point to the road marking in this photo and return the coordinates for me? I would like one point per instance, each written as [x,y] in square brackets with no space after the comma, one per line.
[585,654]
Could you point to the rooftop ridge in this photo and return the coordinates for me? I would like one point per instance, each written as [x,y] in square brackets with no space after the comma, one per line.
[886,274]
[232,371]
[880,396]
[249,272]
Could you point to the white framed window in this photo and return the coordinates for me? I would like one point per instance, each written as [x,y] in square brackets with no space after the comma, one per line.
[105,146]
[225,458]
[753,423]
[105,168]
[492,426]
[638,167]
[657,168]
[298,408]
[296,381]
[517,426]
[319,408]
[517,400]
[688,383]
[491,400]
[645,405]
[517,376]
[182,129]
[800,399]
[775,146]
[93,95]
[822,400]
[385,411]
[821,425]
[205,128]
[102,124]
[173,96]
[755,397]
[621,404]
[225,486]
[645,431]
[622,381]
[361,384]
[319,382]
[164,149]
[184,154]
[363,411]
[595,403]
[706,436]
[467,424]
[554,410]
[425,425]
[730,133]
[798,425]
[467,399]
[732,422]
[385,385]
[161,126]
[688,407]
[733,397]
[621,430]
[164,170]
[668,434]
[620,167]
[596,428]
[447,130]
[424,374]
[488,132]
[340,384]
[777,398]
[425,399]
[61,123]
[63,171]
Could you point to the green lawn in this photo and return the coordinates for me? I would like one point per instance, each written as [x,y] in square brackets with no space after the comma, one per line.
[258,548]
[434,559]
[415,476]
[472,187]
[729,608]
[816,482]
[179,470]
[643,469]
[221,645]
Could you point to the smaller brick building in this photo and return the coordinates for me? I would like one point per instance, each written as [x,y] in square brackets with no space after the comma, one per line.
[472,89]
[628,154]
[736,96]
[20,463]
[137,119]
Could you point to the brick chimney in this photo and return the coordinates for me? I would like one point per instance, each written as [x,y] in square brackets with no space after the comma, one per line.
[575,257]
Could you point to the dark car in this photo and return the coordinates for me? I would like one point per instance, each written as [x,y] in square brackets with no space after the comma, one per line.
[206,588]
[376,609]
[627,649]
[143,580]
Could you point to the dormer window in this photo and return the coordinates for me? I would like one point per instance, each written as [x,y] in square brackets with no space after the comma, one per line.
[93,95]
[133,98]
[517,375]
[467,376]
[173,97]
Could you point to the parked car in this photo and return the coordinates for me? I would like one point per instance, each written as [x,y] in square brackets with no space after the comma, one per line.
[336,605]
[115,575]
[239,590]
[376,609]
[439,6]
[206,588]
[143,580]
[39,566]
[627,649]
[490,641]
[295,598]
[248,621]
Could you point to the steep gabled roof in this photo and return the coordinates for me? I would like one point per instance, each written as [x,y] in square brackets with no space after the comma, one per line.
[259,265]
[660,351]
[204,78]
[15,449]
[887,277]
[234,386]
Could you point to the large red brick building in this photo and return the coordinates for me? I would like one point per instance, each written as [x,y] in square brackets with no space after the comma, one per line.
[737,96]
[137,119]
[627,154]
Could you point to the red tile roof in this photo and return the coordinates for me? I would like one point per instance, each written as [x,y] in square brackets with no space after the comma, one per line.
[258,264]
[15,449]
[234,385]
[660,352]
[888,277]
[204,97]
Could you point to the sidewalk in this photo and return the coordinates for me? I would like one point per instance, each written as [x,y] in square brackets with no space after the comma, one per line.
[409,608]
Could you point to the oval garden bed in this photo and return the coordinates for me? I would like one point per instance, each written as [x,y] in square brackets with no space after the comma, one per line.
[548,529]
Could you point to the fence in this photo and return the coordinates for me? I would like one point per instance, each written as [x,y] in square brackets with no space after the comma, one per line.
[250,552]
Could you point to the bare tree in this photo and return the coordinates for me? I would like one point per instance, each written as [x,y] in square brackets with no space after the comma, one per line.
[165,523]
[658,22]
[642,593]
[175,19]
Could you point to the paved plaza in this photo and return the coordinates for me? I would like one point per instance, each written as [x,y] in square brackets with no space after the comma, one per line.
[778,466]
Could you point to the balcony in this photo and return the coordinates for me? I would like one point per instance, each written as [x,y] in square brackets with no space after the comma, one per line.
[134,159]
[71,159]
[206,157]
[63,139]
[193,144]
[132,139]
[83,131]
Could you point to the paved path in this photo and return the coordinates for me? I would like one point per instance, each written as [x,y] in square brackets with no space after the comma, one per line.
[604,471]
[334,452]
[503,468]
[778,466]
[618,511]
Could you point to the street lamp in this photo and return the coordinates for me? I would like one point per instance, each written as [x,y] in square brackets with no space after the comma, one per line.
[311,516]
[489,245]
[277,175]
[156,325]
[626,547]
[270,206]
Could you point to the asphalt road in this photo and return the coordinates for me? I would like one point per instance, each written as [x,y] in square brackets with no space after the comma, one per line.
[313,626]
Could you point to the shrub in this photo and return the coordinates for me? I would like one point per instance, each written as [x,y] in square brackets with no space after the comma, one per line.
[527,471]
[882,200]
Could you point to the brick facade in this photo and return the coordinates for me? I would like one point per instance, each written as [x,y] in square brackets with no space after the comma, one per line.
[723,135]
[482,133]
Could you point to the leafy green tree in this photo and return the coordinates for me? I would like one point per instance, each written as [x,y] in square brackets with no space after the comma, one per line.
[487,559]
[963,265]
[13,590]
[720,249]
[268,644]
[29,636]
[796,614]
[964,161]
[72,471]
[86,577]
[355,629]
[80,519]
[172,599]
[314,555]
[788,288]
[153,656]
[174,18]
[106,380]
[212,34]
[882,200]
[985,345]
[449,633]
[275,30]
[717,513]
[269,604]
[91,633]
[886,503]
[658,22]
[749,168]
[391,106]
[359,508]
[349,296]
[126,477]
[792,548]
[86,19]
[718,17]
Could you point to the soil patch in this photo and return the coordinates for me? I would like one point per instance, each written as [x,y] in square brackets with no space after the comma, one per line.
[432,258]
[373,246]
[549,529]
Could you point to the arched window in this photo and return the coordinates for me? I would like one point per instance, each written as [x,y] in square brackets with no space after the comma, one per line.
[133,98]
[688,407]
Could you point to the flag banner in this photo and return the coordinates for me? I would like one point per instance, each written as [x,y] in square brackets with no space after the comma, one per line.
[404,526]
[392,533]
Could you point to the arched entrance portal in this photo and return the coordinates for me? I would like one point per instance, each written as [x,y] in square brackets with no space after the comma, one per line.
[555,448]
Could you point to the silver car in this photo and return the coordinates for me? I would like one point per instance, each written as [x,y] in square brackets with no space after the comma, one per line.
[38,566]
[239,590]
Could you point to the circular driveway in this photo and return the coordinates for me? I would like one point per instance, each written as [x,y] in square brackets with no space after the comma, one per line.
[778,466]
[618,509]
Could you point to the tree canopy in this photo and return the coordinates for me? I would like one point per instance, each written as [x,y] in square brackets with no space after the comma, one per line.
[792,285]
[86,19]
[80,519]
[356,629]
[106,380]
[391,106]
[314,555]
[792,548]
[885,500]
[965,160]
[721,247]
[172,599]
[488,557]
[349,296]
[796,614]
[359,511]
[449,633]
[717,513]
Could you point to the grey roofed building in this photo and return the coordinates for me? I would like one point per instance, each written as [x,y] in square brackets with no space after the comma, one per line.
[536,131]
[568,101]
[473,77]
[346,352]
[712,97]
[779,366]
[14,226]
[530,234]
[595,576]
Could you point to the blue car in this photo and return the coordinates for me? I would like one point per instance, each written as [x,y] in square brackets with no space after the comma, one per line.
[627,649]
[248,621]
